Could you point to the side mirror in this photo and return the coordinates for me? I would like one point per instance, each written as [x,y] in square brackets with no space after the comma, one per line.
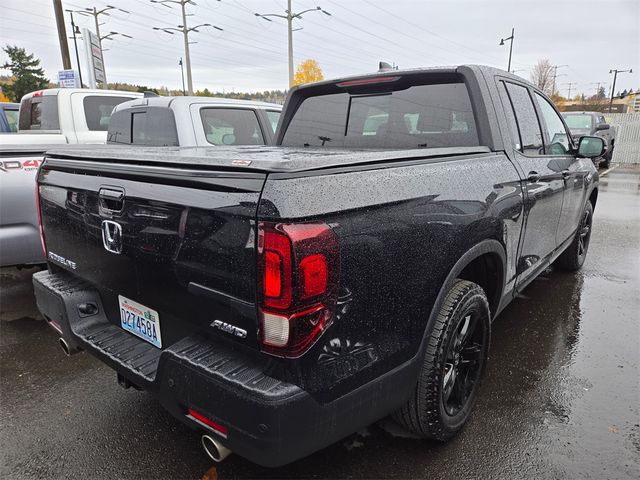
[602,126]
[591,147]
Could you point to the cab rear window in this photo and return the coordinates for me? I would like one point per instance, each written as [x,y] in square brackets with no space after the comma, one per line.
[98,109]
[149,126]
[420,116]
[39,113]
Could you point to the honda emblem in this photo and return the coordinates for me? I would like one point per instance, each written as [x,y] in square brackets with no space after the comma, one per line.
[112,236]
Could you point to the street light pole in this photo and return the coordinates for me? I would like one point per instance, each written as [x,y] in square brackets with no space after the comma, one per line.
[185,30]
[75,45]
[95,13]
[502,40]
[289,16]
[613,87]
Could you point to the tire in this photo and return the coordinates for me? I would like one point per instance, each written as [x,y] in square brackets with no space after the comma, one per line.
[457,343]
[574,256]
[606,160]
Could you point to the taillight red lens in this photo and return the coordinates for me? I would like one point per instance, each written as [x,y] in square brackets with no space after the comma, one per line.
[299,270]
[313,276]
[40,227]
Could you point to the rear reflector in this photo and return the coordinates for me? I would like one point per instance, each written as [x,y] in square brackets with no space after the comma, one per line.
[208,422]
[367,81]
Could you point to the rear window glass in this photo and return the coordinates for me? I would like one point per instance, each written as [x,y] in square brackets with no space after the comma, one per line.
[578,121]
[39,113]
[98,109]
[228,126]
[151,126]
[421,116]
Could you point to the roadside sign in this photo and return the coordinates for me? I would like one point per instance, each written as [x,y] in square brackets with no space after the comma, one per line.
[94,57]
[68,79]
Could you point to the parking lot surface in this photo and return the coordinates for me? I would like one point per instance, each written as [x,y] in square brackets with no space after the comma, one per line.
[560,398]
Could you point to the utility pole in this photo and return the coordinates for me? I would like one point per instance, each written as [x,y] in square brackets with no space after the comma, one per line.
[95,13]
[76,30]
[502,40]
[185,30]
[555,75]
[569,85]
[289,16]
[613,88]
[62,34]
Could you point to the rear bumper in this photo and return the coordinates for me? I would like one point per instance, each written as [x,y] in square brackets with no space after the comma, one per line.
[268,421]
[20,245]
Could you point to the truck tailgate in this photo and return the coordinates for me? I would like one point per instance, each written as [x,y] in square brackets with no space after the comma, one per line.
[178,245]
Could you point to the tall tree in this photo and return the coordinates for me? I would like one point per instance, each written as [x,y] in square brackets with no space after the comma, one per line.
[307,72]
[542,76]
[27,73]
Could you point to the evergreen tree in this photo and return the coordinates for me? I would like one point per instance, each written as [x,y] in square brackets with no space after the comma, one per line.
[27,73]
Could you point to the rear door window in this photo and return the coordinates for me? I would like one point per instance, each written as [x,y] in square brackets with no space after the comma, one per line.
[98,109]
[421,116]
[231,126]
[528,125]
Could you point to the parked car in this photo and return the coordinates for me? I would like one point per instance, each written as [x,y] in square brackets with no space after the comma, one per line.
[592,123]
[47,118]
[279,298]
[193,121]
[9,117]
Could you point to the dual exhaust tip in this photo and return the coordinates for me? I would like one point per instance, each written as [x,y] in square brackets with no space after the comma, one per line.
[214,449]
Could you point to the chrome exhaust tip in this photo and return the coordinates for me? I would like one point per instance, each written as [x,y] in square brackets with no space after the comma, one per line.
[66,348]
[214,449]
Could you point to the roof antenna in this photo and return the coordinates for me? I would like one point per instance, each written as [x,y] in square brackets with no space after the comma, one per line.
[384,67]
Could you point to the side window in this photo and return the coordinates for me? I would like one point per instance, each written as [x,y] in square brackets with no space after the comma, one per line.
[98,109]
[530,133]
[511,118]
[556,133]
[227,126]
[273,117]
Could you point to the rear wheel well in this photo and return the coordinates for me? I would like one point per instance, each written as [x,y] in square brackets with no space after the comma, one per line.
[486,271]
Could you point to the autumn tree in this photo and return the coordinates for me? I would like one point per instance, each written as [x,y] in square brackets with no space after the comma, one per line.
[542,76]
[307,72]
[27,73]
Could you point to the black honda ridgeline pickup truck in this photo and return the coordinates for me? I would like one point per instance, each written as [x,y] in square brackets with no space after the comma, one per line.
[279,298]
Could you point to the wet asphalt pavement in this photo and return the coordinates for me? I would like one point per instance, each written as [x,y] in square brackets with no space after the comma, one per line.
[561,396]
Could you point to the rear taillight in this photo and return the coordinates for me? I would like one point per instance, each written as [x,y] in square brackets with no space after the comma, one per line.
[298,274]
[40,227]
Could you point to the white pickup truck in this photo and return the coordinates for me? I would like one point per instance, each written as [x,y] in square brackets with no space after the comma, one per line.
[47,118]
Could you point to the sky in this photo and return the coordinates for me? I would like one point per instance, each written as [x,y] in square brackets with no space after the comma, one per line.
[591,37]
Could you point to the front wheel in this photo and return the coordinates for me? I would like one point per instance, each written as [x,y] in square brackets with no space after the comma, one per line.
[574,256]
[456,354]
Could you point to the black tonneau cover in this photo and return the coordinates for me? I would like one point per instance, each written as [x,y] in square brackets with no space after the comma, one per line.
[251,158]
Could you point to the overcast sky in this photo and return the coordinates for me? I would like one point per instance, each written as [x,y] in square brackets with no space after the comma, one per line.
[590,36]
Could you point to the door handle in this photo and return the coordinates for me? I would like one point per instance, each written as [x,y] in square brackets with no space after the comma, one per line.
[533,177]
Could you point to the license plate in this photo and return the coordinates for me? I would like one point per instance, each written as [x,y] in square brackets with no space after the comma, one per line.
[140,320]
